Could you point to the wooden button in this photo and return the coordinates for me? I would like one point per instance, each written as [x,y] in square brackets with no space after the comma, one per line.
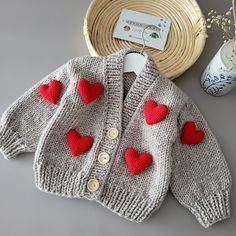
[112,133]
[93,185]
[103,158]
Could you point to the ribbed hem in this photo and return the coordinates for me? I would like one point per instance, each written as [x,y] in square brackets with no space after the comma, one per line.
[68,183]
[59,181]
[11,144]
[130,205]
[214,208]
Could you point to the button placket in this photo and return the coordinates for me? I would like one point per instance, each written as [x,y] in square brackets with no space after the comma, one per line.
[103,159]
[93,185]
[107,146]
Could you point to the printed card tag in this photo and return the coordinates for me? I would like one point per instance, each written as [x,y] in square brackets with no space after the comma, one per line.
[131,25]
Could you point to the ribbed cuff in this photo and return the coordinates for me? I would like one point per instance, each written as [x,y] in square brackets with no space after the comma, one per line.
[214,208]
[11,144]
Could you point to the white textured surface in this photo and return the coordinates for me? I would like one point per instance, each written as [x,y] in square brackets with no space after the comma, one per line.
[35,38]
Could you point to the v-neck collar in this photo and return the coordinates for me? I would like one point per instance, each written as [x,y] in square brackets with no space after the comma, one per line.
[119,111]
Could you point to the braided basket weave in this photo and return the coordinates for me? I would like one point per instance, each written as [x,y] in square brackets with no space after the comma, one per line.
[186,38]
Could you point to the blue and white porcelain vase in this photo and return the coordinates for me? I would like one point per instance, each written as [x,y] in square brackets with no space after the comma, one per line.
[219,76]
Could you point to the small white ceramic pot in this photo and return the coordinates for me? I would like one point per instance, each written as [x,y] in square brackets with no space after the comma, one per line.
[219,76]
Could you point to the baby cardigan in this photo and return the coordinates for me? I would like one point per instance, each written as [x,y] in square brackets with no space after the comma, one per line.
[119,139]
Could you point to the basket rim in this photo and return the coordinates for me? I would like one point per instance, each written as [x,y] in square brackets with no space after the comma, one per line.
[194,57]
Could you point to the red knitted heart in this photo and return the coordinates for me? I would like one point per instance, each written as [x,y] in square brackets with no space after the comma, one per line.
[88,91]
[190,134]
[78,144]
[135,162]
[155,113]
[52,91]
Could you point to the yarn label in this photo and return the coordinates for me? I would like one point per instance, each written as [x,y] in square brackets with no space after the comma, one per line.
[142,28]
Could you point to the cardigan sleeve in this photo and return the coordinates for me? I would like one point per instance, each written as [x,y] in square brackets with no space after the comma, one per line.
[22,123]
[200,178]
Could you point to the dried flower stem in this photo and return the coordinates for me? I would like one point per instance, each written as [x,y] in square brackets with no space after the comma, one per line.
[226,23]
[233,5]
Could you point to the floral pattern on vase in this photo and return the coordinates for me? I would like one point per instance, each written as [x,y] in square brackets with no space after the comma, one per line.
[218,84]
[219,76]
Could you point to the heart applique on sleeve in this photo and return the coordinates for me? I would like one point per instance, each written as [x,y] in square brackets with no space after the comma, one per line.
[51,92]
[89,91]
[137,162]
[190,134]
[154,112]
[78,144]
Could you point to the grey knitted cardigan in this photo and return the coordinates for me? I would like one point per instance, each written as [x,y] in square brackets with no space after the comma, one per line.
[111,143]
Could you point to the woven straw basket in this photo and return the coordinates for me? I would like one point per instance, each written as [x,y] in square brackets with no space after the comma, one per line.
[186,38]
